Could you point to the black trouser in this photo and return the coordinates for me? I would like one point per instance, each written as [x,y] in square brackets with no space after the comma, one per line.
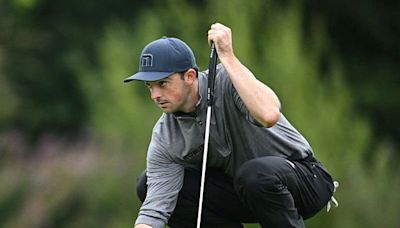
[271,191]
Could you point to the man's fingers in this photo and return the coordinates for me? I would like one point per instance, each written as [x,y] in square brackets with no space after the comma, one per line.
[212,34]
[218,26]
[218,33]
[222,37]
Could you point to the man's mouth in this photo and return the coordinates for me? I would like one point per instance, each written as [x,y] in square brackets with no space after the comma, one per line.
[162,103]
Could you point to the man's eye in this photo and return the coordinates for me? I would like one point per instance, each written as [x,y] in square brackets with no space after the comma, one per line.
[163,83]
[147,85]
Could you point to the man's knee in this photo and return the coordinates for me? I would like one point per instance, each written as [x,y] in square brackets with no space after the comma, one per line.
[141,186]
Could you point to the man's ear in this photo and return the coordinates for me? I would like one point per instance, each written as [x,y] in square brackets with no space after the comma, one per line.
[191,75]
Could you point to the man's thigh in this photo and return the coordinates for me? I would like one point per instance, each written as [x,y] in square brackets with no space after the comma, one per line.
[268,184]
[313,188]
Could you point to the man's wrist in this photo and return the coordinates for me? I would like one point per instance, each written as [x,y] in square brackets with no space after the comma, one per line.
[142,226]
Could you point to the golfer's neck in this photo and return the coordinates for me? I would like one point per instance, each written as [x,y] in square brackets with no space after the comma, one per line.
[193,99]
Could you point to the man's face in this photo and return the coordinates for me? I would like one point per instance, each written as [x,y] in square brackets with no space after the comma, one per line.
[171,93]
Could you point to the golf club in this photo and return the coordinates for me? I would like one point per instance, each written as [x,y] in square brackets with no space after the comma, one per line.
[210,95]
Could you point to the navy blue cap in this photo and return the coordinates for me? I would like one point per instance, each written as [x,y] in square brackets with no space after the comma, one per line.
[163,57]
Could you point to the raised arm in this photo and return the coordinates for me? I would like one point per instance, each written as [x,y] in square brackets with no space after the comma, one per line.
[261,101]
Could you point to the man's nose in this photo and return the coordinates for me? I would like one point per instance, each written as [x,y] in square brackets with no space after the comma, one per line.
[155,93]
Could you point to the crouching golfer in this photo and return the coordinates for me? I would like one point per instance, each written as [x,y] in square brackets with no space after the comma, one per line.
[260,169]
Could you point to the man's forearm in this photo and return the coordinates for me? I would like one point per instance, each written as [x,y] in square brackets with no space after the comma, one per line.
[259,99]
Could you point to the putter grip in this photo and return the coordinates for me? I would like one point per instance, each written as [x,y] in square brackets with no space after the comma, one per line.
[212,68]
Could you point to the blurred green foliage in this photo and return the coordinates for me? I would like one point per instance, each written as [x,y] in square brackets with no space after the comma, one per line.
[73,137]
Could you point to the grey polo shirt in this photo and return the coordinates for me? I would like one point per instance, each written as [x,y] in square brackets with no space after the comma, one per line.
[235,137]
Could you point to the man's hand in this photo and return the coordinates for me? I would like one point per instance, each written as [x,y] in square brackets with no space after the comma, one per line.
[222,37]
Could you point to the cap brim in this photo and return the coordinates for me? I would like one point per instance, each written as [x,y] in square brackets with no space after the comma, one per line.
[148,76]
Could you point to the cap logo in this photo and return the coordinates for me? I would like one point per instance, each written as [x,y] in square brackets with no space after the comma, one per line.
[146,60]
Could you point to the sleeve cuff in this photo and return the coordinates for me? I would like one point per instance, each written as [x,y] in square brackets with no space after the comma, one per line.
[154,222]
